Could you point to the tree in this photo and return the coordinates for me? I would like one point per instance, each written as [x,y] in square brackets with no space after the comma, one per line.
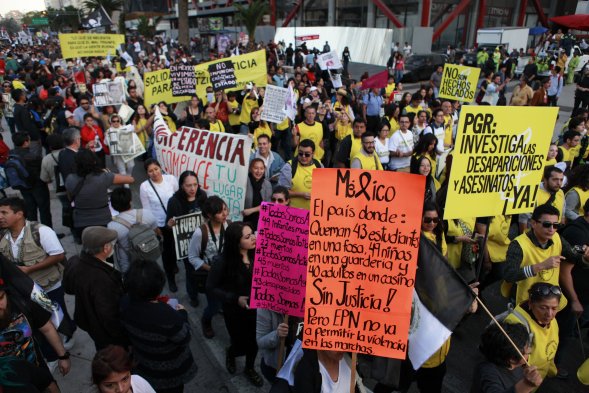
[109,6]
[251,16]
[28,18]
[66,19]
[183,32]
[12,27]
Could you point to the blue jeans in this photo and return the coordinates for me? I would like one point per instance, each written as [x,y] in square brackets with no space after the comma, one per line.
[212,308]
[244,129]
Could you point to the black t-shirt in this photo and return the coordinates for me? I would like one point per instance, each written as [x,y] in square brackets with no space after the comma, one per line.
[577,234]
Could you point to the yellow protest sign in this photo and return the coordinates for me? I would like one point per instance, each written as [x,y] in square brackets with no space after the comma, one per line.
[158,87]
[459,82]
[250,67]
[84,45]
[498,160]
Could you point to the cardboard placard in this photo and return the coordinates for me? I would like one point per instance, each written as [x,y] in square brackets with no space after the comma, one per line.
[183,79]
[108,93]
[222,75]
[280,270]
[183,230]
[363,244]
[459,82]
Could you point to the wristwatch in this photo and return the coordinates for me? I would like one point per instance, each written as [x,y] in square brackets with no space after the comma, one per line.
[65,356]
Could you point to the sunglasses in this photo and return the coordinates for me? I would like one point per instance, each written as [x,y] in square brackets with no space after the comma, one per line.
[303,154]
[548,224]
[544,290]
[279,200]
[115,121]
[428,220]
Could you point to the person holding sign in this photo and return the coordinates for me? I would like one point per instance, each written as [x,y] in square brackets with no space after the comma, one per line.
[230,280]
[503,370]
[324,371]
[258,190]
[296,175]
[93,139]
[205,245]
[188,199]
[367,158]
[117,147]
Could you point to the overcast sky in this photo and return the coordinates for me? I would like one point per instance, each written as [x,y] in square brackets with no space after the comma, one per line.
[22,5]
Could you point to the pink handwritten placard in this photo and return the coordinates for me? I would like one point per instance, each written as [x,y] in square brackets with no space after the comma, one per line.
[280,267]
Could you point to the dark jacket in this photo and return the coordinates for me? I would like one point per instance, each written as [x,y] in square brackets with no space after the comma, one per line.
[24,122]
[228,285]
[307,376]
[32,159]
[98,289]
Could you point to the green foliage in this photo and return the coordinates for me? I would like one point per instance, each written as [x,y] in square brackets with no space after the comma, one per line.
[11,26]
[144,27]
[66,19]
[251,16]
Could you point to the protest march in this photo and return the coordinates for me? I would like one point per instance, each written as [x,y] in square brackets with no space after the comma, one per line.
[315,230]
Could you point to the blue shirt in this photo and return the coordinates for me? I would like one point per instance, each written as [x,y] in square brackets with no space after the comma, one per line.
[373,104]
[556,82]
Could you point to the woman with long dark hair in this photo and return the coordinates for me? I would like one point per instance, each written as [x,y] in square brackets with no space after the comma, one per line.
[422,166]
[432,226]
[258,190]
[230,279]
[188,199]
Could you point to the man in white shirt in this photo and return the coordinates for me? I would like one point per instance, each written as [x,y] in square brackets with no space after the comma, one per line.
[401,146]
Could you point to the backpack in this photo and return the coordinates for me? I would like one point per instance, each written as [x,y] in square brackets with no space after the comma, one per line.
[17,175]
[143,242]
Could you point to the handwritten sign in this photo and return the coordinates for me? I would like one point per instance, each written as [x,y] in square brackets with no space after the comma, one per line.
[220,160]
[108,93]
[498,160]
[278,282]
[183,230]
[363,244]
[459,82]
[183,79]
[274,104]
[84,45]
[158,87]
[222,75]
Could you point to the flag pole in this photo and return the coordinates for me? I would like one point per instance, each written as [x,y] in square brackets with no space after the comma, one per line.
[502,330]
[281,347]
[353,375]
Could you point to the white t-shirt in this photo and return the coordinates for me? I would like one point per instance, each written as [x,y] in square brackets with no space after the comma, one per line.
[150,201]
[402,142]
[342,385]
[382,150]
[140,385]
[439,132]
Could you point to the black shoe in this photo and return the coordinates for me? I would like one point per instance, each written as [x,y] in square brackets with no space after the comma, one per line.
[60,235]
[229,361]
[207,329]
[254,377]
[172,286]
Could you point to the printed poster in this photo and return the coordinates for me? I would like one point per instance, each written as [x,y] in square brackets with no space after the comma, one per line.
[86,45]
[183,230]
[498,160]
[274,104]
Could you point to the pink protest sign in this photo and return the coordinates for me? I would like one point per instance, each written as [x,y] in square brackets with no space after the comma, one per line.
[280,268]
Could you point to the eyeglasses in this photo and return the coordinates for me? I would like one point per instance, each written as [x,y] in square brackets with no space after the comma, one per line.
[544,290]
[279,200]
[428,220]
[304,154]
[115,121]
[548,224]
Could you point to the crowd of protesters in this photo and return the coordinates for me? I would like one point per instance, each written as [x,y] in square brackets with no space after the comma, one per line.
[60,139]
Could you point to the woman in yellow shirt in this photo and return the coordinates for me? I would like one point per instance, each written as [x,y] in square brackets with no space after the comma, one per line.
[433,228]
[143,124]
[552,153]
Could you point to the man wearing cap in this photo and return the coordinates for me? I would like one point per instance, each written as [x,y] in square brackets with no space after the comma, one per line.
[314,95]
[98,288]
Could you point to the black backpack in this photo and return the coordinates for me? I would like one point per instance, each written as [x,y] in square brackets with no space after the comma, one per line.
[295,163]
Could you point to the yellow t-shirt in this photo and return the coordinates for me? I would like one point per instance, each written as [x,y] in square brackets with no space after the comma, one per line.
[455,249]
[498,238]
[342,131]
[558,202]
[142,135]
[302,182]
[368,162]
[233,118]
[432,236]
[583,196]
[283,125]
[409,109]
[544,344]
[313,132]
[217,126]
[246,110]
[263,129]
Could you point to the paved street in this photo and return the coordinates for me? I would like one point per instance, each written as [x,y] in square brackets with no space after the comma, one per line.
[209,354]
